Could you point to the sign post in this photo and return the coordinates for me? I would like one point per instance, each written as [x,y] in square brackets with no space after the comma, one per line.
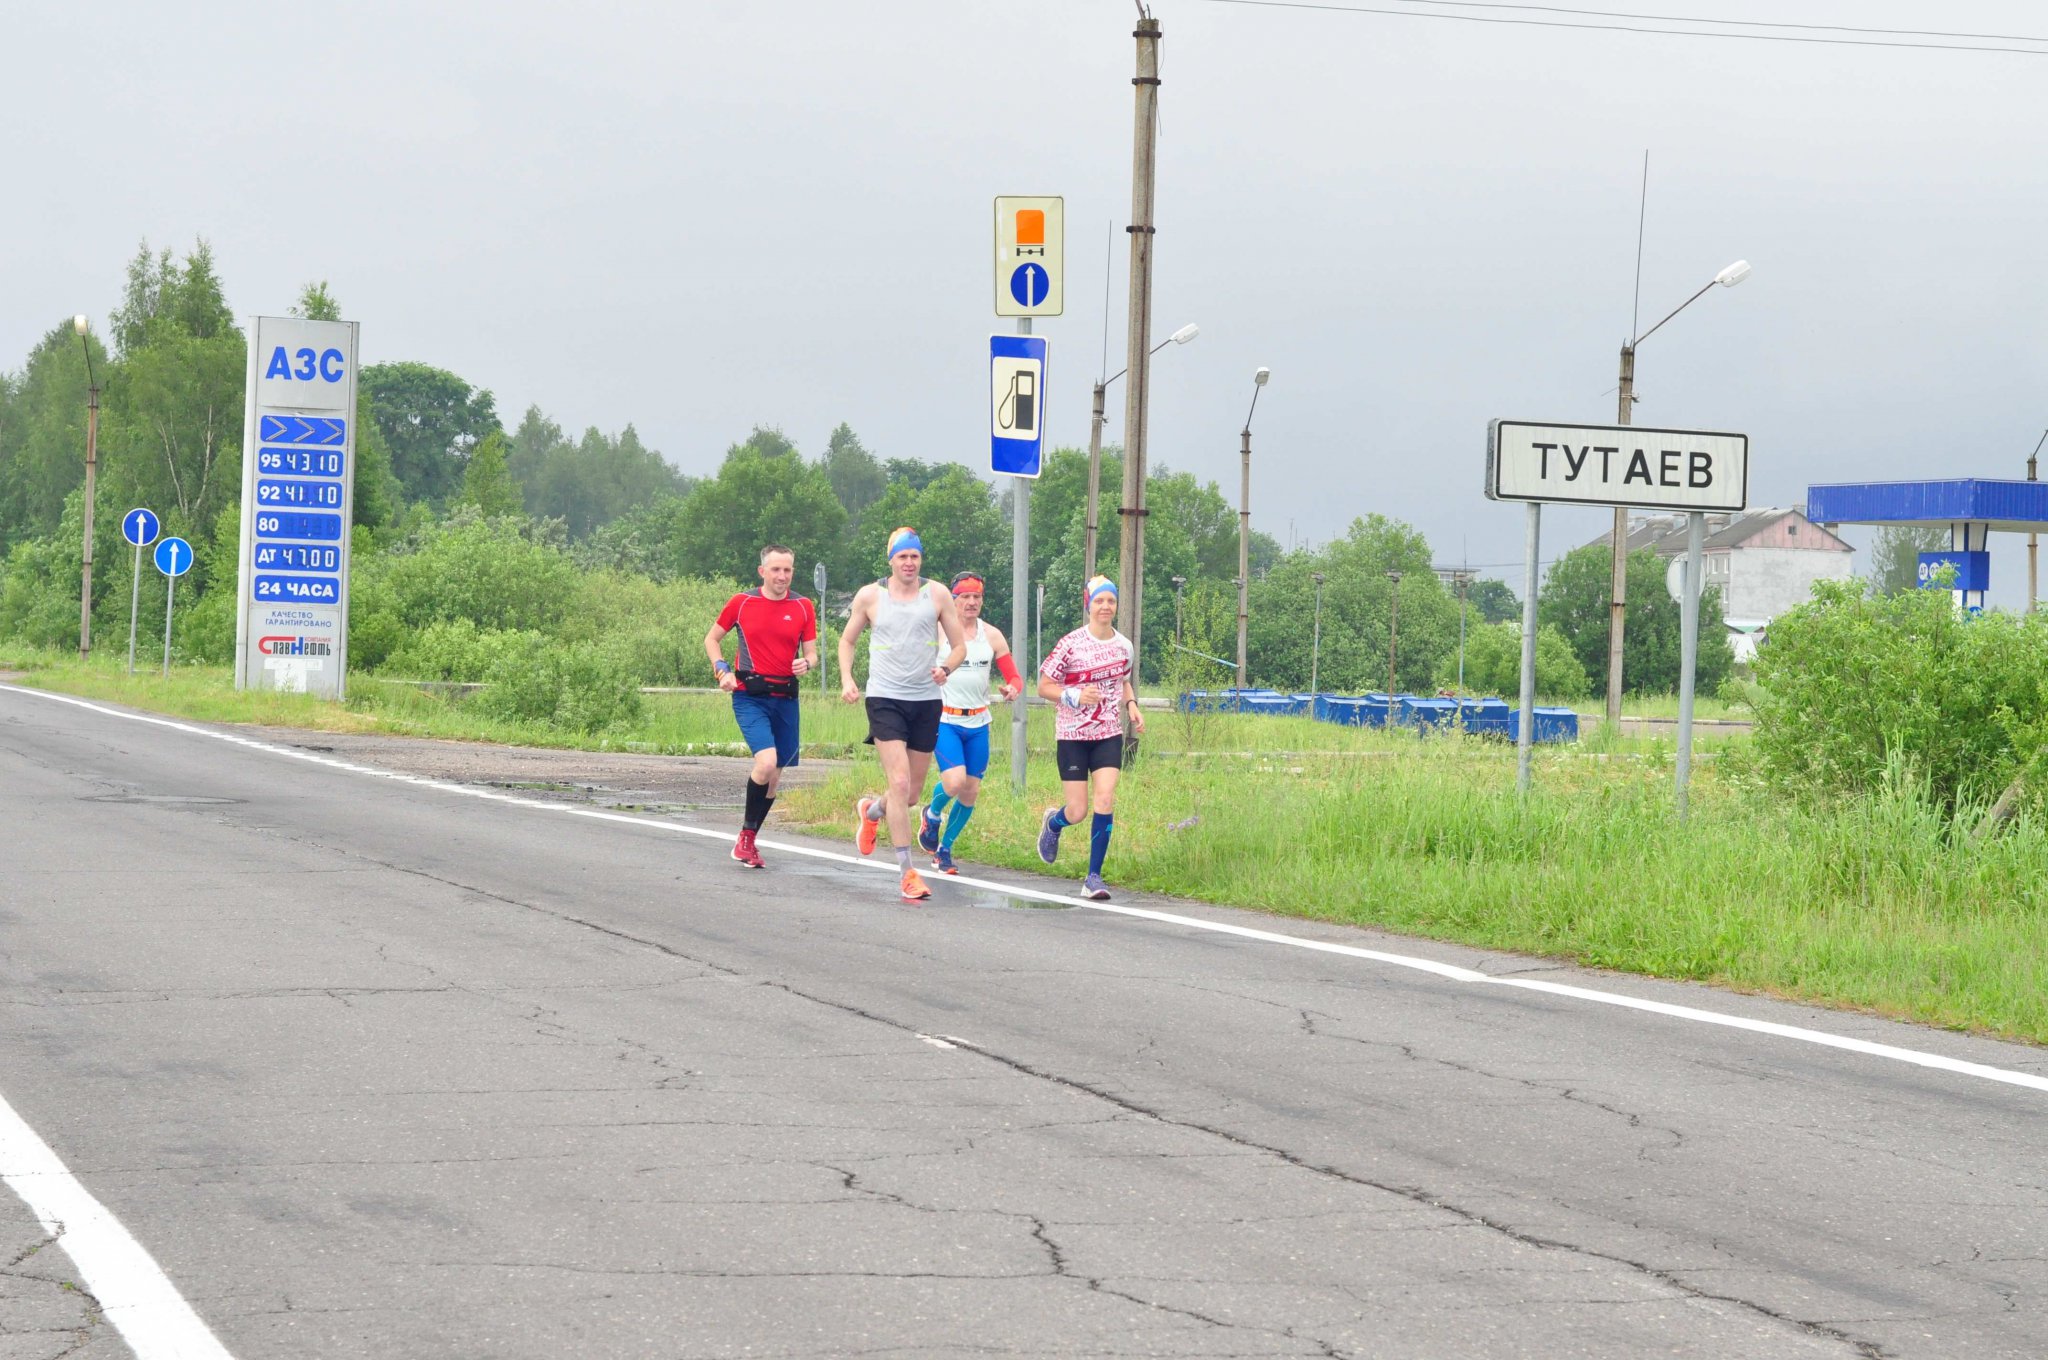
[1622,466]
[1030,280]
[298,495]
[139,527]
[818,580]
[173,559]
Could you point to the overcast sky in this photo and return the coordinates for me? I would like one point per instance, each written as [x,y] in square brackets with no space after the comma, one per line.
[695,217]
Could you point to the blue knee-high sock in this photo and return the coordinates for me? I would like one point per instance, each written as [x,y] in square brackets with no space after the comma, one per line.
[954,824]
[937,807]
[1059,819]
[1098,840]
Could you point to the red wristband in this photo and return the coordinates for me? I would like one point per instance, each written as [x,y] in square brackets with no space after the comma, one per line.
[1008,668]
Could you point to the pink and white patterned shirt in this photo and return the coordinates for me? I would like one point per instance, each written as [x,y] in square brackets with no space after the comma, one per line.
[1081,658]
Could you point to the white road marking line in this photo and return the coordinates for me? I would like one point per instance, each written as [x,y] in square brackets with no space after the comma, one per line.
[133,1291]
[937,1042]
[1448,971]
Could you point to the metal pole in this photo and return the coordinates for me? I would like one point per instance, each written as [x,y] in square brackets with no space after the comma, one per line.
[1244,540]
[1038,648]
[1616,619]
[134,598]
[1315,652]
[1020,608]
[1525,727]
[1138,341]
[1094,481]
[1688,647]
[1463,581]
[1393,640]
[170,594]
[92,463]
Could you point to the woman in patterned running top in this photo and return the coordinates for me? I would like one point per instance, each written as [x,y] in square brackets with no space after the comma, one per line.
[1091,674]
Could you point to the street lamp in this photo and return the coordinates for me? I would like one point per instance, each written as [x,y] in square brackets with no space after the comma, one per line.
[1393,636]
[1244,523]
[1315,651]
[1178,583]
[92,463]
[1727,278]
[1179,337]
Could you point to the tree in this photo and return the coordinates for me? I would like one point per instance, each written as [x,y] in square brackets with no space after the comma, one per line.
[1358,614]
[857,478]
[1895,556]
[1493,601]
[316,303]
[591,483]
[756,498]
[172,431]
[485,482]
[42,433]
[431,420]
[914,472]
[1493,664]
[1575,598]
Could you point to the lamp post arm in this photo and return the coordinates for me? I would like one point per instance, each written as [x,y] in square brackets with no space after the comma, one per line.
[1248,413]
[1674,312]
[1120,372]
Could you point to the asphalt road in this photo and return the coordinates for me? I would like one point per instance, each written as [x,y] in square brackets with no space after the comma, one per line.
[373,1068]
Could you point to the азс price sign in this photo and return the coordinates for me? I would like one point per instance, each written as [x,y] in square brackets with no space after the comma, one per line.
[298,493]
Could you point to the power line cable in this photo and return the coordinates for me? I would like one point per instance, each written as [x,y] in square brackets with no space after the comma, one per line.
[1655,32]
[1726,23]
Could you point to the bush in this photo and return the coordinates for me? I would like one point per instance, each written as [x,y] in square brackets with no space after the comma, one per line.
[575,687]
[488,571]
[1851,686]
[458,650]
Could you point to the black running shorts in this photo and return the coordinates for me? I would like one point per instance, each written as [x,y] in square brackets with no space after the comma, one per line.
[1079,759]
[914,722]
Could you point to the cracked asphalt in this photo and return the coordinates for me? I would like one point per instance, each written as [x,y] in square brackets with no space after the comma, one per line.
[374,1070]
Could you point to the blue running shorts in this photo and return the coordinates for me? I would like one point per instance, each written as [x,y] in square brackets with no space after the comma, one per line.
[767,720]
[964,746]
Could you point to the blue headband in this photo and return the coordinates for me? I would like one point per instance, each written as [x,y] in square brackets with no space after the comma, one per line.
[1098,585]
[904,540]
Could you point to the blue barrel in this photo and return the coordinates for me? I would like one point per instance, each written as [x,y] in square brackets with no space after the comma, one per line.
[1348,711]
[1417,711]
[1488,717]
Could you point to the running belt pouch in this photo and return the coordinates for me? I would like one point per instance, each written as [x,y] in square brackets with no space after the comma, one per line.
[763,685]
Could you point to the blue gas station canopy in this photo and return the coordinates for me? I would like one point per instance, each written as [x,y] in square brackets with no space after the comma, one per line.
[2015,507]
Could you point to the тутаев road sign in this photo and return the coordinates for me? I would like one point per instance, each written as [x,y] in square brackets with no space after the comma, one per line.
[1031,236]
[174,557]
[140,527]
[1622,465]
[1016,377]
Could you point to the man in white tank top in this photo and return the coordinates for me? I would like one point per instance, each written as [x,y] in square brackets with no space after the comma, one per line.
[908,614]
[964,724]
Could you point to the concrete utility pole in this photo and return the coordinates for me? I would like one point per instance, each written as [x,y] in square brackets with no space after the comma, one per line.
[1618,611]
[1244,525]
[1138,344]
[92,464]
[2034,540]
[1095,420]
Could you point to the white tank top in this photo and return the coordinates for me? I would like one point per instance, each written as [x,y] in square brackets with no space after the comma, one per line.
[968,686]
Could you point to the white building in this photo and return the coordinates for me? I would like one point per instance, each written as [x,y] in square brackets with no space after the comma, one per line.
[1763,562]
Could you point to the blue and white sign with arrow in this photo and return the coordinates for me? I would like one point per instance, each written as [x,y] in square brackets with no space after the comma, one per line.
[174,557]
[1016,378]
[304,430]
[139,527]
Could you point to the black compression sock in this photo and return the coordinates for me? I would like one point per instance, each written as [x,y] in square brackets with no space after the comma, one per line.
[757,805]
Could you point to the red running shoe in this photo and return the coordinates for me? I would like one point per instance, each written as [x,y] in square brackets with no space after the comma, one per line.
[745,852]
[864,831]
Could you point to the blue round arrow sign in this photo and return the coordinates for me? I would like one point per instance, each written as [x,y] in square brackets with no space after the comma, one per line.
[1029,284]
[140,527]
[174,557]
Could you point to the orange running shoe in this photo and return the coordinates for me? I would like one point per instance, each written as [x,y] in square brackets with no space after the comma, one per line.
[864,831]
[914,889]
